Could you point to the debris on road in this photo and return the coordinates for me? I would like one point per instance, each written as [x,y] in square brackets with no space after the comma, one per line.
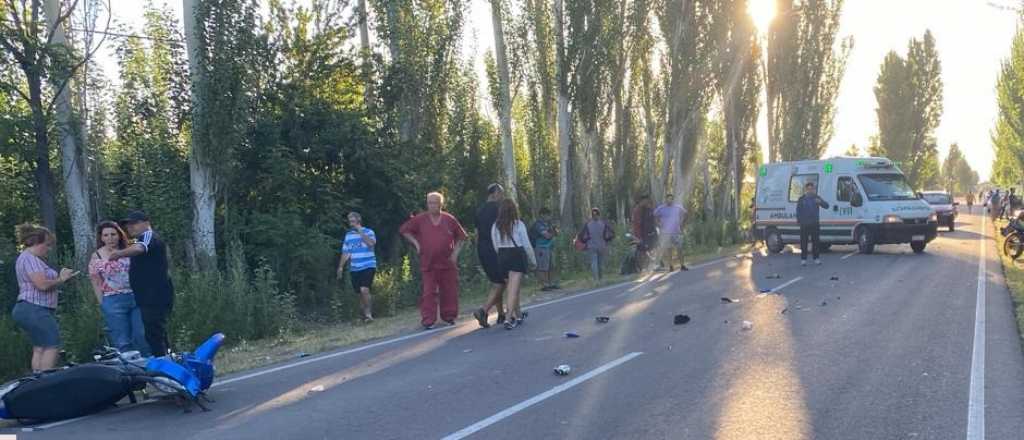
[774,276]
[563,370]
[783,312]
[317,389]
[834,278]
[572,334]
[681,319]
[602,319]
[301,354]
[747,325]
[824,303]
[729,300]
[468,350]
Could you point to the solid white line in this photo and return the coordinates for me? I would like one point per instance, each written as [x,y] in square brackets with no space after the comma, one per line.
[786,284]
[512,410]
[849,255]
[319,358]
[976,402]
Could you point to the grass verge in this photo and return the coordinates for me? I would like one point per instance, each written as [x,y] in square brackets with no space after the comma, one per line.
[316,338]
[1013,272]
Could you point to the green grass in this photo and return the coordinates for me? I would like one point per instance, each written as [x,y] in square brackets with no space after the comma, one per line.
[1014,274]
[311,339]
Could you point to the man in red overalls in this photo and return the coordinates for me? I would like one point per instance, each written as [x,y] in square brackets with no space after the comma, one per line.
[437,237]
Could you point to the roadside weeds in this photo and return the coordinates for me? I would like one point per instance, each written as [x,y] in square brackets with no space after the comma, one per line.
[1013,273]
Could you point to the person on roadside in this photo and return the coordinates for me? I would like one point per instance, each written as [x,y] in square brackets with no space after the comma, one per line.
[357,249]
[112,284]
[36,309]
[542,237]
[515,255]
[994,201]
[970,202]
[645,231]
[485,218]
[808,216]
[596,234]
[670,217]
[150,278]
[438,238]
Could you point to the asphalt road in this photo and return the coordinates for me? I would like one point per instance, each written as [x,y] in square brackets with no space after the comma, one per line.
[869,347]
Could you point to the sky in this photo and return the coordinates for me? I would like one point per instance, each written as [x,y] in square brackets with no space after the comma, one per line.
[973,38]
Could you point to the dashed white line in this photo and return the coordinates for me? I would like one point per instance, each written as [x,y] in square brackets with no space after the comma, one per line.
[976,402]
[512,410]
[786,284]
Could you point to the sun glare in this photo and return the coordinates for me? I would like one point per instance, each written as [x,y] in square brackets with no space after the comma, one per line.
[762,12]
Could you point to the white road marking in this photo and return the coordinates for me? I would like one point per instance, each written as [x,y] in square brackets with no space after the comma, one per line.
[786,284]
[324,357]
[976,402]
[512,410]
[849,255]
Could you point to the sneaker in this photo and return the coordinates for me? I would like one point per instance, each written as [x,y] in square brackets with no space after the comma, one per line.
[481,318]
[501,318]
[671,268]
[450,322]
[545,289]
[817,262]
[428,326]
[683,268]
[803,262]
[523,317]
[511,324]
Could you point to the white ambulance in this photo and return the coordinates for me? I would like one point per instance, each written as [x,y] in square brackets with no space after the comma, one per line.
[870,203]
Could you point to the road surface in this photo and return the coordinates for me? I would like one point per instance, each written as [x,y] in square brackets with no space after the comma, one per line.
[876,346]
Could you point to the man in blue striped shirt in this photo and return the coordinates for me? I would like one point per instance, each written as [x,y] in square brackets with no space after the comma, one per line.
[358,248]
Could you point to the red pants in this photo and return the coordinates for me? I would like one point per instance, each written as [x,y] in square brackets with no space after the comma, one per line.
[443,285]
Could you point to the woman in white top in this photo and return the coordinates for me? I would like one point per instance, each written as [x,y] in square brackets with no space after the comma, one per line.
[512,243]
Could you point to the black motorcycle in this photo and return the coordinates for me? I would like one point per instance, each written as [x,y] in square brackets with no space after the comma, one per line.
[1013,246]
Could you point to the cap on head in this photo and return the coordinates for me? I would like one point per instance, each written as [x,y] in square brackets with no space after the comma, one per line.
[135,217]
[495,188]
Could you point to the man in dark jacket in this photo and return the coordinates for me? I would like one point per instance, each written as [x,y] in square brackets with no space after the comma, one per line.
[808,217]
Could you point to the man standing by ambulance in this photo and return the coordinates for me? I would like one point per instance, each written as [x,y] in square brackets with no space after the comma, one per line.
[810,224]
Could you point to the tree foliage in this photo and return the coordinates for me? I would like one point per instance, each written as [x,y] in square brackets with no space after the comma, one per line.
[804,71]
[909,96]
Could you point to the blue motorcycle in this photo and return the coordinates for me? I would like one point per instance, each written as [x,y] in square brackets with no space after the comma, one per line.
[84,389]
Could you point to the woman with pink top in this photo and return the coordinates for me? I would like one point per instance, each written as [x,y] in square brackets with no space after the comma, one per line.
[110,281]
[35,311]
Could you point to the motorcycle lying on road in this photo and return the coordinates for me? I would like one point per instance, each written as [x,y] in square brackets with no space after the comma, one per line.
[1013,245]
[83,389]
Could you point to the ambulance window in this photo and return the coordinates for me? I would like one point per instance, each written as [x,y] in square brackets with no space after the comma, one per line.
[796,185]
[845,189]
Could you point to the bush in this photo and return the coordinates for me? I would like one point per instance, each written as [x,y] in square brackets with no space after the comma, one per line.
[243,306]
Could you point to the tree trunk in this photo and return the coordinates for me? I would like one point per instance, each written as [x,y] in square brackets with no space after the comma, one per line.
[201,179]
[406,124]
[366,54]
[650,141]
[504,101]
[76,187]
[565,153]
[45,186]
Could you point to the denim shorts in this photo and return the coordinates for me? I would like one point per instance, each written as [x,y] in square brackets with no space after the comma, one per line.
[39,322]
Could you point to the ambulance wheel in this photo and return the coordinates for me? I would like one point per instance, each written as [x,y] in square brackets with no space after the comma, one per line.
[773,241]
[865,240]
[918,246]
